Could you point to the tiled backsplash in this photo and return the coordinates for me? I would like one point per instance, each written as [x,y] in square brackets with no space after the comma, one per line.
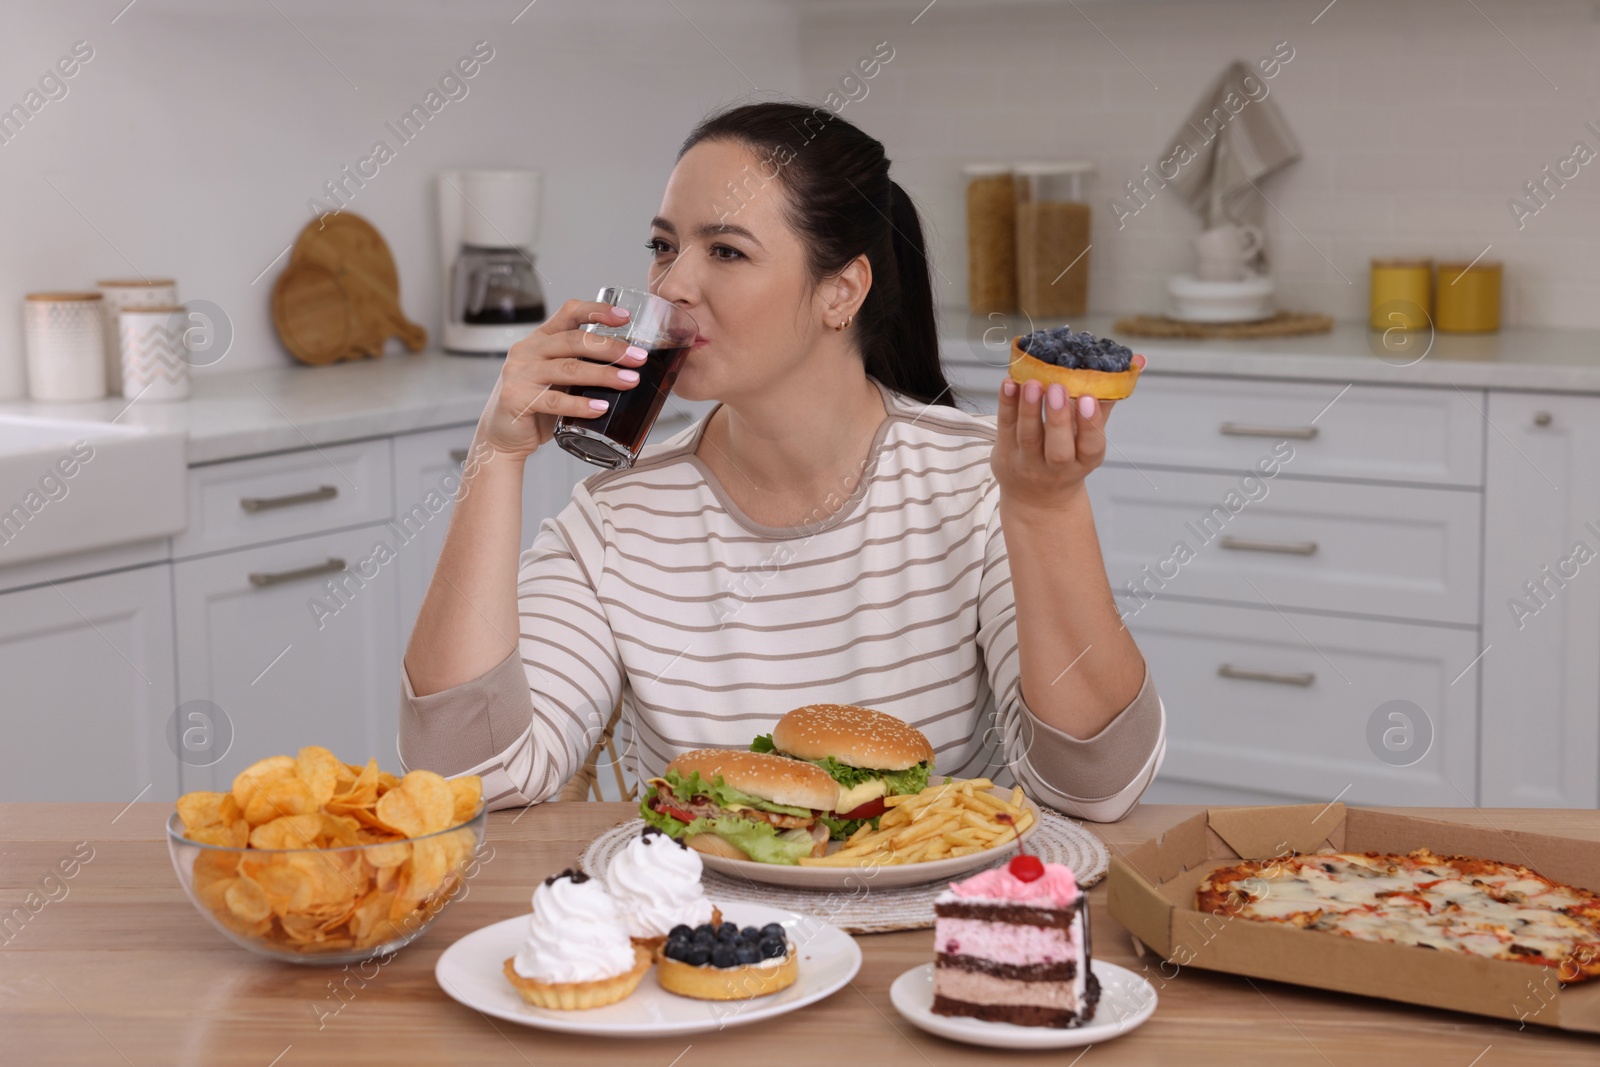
[1418,122]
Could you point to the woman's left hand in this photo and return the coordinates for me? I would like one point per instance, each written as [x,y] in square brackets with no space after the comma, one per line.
[1037,461]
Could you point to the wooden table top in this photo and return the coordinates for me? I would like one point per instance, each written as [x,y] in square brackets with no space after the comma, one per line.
[121,970]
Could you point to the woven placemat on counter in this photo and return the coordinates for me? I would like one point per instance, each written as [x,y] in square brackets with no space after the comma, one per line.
[1058,840]
[1283,324]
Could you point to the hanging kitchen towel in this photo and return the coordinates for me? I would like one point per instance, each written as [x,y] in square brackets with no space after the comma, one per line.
[1235,136]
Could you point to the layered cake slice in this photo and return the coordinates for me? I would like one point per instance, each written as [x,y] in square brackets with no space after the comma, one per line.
[1013,947]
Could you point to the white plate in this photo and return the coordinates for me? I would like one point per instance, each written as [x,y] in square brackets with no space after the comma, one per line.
[1126,1000]
[887,876]
[471,971]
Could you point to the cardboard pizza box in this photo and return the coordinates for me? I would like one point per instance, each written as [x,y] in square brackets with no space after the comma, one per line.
[1151,891]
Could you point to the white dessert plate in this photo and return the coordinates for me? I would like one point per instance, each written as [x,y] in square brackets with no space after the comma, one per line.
[1126,1000]
[471,971]
[884,876]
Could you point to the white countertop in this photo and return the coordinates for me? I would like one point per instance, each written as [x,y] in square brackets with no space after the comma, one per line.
[288,407]
[251,412]
[1523,359]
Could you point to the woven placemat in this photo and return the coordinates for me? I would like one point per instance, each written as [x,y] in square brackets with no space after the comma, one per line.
[1283,324]
[866,910]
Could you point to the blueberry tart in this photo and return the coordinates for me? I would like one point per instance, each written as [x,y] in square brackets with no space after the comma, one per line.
[724,962]
[1084,364]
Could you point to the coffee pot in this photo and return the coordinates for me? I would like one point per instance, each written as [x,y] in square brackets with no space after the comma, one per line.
[488,226]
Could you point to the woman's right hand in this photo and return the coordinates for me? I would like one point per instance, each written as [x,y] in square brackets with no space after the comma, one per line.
[532,391]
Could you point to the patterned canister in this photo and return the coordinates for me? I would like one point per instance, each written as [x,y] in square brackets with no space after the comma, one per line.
[154,366]
[66,346]
[122,293]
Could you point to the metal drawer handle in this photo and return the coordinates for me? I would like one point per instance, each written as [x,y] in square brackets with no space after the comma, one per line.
[1288,548]
[333,566]
[1239,429]
[254,504]
[1228,670]
[459,455]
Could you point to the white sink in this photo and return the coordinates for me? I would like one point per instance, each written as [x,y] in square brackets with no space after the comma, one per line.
[75,485]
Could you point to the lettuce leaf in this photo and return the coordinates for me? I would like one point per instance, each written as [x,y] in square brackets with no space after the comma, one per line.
[685,789]
[839,829]
[910,780]
[761,841]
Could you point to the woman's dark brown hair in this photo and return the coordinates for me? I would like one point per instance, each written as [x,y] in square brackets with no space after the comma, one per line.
[843,204]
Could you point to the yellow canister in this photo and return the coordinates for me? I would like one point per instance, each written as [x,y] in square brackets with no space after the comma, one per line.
[1402,294]
[1468,298]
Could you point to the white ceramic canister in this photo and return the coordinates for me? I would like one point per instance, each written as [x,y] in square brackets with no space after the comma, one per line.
[66,346]
[119,293]
[154,366]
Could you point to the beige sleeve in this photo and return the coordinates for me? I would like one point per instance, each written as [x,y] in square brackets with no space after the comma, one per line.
[462,727]
[1101,777]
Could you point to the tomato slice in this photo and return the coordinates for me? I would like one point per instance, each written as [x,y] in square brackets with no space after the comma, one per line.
[666,807]
[870,809]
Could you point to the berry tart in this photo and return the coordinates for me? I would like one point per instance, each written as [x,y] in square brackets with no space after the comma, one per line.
[726,963]
[1083,363]
[1012,946]
[578,954]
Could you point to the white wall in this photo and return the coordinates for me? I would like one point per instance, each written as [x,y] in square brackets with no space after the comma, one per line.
[1417,121]
[190,143]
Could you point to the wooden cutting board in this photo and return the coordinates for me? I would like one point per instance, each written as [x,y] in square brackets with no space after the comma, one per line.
[339,297]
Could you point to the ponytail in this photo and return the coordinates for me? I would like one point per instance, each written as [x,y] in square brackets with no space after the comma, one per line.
[901,342]
[844,204]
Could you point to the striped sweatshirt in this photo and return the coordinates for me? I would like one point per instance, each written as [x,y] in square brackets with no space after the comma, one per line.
[653,587]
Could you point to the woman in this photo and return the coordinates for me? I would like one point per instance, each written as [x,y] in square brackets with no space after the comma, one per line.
[830,532]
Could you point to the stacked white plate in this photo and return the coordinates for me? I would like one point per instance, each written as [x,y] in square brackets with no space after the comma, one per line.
[1191,300]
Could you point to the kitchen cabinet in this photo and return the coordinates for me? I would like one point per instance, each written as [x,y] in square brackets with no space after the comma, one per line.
[88,689]
[1541,602]
[297,643]
[1287,705]
[1361,549]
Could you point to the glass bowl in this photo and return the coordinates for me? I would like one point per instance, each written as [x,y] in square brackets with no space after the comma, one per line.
[326,905]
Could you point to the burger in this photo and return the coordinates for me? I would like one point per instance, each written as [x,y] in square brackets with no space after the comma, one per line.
[742,805]
[871,755]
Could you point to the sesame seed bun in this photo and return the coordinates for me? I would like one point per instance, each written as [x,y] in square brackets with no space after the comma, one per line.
[782,781]
[856,737]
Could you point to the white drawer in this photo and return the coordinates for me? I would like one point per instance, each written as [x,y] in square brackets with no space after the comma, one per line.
[1306,734]
[252,501]
[1429,436]
[1334,546]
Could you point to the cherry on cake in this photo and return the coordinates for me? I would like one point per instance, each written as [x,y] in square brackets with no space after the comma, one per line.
[1013,947]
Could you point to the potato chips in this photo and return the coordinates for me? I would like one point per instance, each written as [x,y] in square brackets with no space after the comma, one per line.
[335,857]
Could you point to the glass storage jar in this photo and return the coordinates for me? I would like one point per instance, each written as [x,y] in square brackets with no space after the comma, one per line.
[1053,238]
[991,238]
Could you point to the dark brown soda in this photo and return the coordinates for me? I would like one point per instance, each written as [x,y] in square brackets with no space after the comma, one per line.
[633,411]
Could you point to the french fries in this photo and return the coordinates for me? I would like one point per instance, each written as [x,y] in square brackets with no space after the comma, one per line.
[945,820]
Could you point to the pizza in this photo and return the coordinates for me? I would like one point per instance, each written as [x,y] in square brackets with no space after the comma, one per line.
[1476,907]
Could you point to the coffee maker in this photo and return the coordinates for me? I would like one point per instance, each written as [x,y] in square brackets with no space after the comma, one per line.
[488,225]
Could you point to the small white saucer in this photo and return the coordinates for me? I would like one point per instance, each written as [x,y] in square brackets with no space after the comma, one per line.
[1126,1000]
